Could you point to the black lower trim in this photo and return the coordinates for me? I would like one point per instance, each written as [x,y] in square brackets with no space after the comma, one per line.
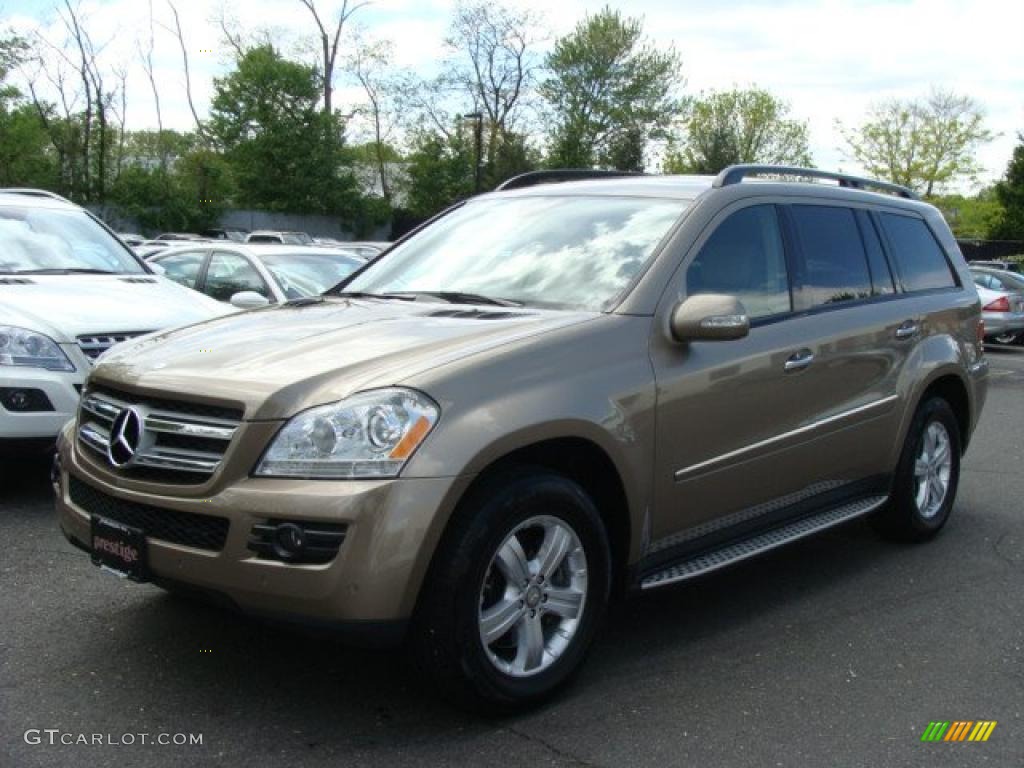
[657,561]
[27,447]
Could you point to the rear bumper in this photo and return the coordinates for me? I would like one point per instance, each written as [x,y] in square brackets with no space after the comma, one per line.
[998,323]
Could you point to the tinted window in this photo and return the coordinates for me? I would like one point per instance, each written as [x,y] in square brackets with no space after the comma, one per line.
[229,274]
[744,258]
[835,267]
[182,267]
[881,275]
[921,263]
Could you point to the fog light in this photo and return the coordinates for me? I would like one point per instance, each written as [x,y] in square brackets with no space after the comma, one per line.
[289,540]
[21,400]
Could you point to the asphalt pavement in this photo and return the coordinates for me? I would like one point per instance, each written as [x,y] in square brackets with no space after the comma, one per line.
[838,651]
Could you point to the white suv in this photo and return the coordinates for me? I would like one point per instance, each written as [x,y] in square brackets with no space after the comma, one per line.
[69,290]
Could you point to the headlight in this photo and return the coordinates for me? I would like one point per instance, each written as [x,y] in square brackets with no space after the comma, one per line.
[371,434]
[19,346]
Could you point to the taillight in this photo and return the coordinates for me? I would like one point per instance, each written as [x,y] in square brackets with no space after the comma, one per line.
[1002,304]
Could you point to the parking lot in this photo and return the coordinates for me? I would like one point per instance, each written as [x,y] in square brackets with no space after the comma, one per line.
[838,651]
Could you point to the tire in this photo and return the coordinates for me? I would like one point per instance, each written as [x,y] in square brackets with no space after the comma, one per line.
[467,587]
[912,514]
[1006,339]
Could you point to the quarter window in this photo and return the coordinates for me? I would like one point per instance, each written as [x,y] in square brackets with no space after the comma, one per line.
[835,266]
[745,258]
[919,260]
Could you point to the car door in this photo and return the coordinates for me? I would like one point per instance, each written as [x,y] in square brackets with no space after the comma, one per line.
[745,428]
[229,273]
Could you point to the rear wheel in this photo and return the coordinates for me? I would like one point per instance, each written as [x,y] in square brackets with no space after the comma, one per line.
[516,592]
[927,476]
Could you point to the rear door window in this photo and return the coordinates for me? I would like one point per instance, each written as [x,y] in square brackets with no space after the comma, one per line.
[745,258]
[834,264]
[183,268]
[921,264]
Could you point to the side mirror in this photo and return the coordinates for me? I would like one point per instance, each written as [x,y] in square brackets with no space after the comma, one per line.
[249,300]
[709,317]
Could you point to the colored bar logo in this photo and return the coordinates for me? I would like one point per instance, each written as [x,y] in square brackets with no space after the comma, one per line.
[959,730]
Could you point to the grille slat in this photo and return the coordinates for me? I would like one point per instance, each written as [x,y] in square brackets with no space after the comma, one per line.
[188,529]
[181,443]
[94,345]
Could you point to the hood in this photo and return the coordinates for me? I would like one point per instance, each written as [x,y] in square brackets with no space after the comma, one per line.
[66,306]
[280,360]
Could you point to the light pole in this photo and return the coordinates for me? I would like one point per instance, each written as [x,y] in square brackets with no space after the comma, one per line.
[478,135]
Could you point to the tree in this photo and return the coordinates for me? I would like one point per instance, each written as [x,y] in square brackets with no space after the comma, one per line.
[370,64]
[24,161]
[971,216]
[329,40]
[610,91]
[1010,193]
[440,171]
[738,126]
[920,143]
[284,153]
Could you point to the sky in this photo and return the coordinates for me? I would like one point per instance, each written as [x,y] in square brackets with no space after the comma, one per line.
[830,59]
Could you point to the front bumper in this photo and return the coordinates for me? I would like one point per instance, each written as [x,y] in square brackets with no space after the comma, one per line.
[61,389]
[392,529]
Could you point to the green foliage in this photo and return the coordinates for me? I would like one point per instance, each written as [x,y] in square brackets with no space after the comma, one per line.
[610,91]
[970,217]
[189,197]
[1010,193]
[921,143]
[285,153]
[25,157]
[440,172]
[738,126]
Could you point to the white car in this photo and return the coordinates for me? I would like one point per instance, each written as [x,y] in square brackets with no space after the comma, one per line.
[252,276]
[69,290]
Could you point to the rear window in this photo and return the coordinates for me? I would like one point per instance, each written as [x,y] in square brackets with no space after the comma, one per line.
[919,260]
[835,266]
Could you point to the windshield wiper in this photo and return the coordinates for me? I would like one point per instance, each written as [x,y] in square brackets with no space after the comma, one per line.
[66,271]
[461,297]
[370,295]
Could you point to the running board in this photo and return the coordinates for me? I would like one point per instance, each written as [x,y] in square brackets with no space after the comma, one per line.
[760,543]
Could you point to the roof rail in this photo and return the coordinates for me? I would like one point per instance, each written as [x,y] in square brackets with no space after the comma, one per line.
[33,193]
[734,174]
[563,174]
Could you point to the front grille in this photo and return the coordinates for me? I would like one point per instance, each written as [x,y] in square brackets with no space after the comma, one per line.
[95,345]
[180,442]
[185,528]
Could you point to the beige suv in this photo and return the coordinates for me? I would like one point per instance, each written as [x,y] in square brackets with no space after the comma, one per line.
[544,395]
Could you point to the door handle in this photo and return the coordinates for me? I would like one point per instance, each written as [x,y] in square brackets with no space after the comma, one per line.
[798,361]
[907,330]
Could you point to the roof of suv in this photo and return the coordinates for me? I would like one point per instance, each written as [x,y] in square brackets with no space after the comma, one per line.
[36,198]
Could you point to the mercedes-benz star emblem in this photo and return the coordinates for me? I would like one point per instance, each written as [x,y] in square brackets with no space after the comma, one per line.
[125,437]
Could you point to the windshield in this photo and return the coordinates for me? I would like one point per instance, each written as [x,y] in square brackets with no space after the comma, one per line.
[558,251]
[48,239]
[309,274]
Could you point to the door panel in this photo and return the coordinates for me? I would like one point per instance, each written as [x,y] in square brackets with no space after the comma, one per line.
[739,434]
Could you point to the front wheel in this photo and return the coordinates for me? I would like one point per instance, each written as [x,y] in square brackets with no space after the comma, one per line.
[927,475]
[516,592]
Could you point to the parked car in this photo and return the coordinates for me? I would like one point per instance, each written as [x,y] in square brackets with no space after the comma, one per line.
[250,276]
[69,290]
[367,249]
[284,238]
[178,236]
[550,392]
[130,239]
[235,234]
[1006,266]
[1003,313]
